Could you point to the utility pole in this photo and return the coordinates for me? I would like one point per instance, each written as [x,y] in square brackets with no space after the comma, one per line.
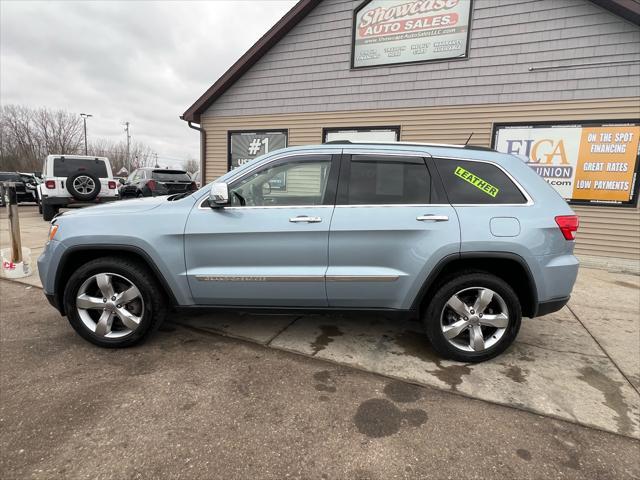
[84,120]
[126,129]
[156,155]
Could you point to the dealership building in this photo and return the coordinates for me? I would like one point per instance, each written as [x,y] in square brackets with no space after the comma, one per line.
[556,82]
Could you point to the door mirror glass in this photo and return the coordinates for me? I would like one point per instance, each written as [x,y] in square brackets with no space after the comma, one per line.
[266,188]
[219,195]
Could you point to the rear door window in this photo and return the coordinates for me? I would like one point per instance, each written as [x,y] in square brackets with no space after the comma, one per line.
[387,180]
[66,166]
[468,182]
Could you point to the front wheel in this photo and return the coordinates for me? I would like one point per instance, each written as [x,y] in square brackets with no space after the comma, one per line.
[113,302]
[473,317]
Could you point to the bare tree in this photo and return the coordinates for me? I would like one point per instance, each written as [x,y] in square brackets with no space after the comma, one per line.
[191,165]
[141,154]
[28,135]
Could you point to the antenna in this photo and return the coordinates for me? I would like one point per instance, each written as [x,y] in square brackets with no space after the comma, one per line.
[465,143]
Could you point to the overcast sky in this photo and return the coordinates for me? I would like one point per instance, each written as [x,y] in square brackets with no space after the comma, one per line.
[141,61]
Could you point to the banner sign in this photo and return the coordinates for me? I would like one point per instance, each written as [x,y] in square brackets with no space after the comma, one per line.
[589,162]
[387,32]
[245,146]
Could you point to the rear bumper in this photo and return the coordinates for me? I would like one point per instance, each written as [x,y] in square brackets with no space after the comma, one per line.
[550,306]
[64,201]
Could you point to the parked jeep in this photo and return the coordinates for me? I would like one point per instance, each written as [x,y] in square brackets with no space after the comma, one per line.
[466,239]
[75,181]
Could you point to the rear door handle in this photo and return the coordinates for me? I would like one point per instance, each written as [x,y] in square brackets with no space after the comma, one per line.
[305,219]
[432,218]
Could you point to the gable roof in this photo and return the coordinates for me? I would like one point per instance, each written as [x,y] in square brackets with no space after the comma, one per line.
[627,9]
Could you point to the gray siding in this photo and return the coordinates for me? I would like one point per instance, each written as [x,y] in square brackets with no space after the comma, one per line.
[309,69]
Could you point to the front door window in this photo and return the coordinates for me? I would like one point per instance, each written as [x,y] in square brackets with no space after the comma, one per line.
[300,181]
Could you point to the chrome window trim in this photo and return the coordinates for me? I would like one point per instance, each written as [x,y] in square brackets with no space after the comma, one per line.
[202,206]
[412,153]
[395,205]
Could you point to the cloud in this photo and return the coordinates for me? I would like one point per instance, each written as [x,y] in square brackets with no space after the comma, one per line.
[144,62]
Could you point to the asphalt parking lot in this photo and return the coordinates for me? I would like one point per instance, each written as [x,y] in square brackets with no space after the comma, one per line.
[320,396]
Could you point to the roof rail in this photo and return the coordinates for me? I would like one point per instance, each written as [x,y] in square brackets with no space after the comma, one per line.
[416,144]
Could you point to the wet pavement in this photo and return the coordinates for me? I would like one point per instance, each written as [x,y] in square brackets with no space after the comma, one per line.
[194,404]
[581,364]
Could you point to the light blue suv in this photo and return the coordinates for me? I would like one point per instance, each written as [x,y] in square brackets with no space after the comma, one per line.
[466,239]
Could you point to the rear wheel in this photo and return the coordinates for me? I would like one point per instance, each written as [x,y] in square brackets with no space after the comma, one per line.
[473,317]
[113,302]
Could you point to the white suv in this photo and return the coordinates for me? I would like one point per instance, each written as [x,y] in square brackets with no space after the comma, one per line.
[75,180]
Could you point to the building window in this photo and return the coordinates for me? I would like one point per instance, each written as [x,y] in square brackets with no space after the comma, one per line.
[244,146]
[361,134]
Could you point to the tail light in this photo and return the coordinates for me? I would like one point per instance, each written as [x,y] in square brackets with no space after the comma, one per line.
[151,184]
[112,185]
[568,226]
[50,184]
[193,187]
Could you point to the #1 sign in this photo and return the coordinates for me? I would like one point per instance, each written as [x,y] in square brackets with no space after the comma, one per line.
[585,163]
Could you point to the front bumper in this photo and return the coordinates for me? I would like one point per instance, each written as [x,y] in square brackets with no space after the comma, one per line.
[53,300]
[48,263]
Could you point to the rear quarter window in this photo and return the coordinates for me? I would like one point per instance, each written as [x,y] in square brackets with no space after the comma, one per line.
[64,167]
[468,182]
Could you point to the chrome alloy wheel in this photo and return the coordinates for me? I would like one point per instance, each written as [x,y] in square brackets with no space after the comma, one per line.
[474,319]
[110,305]
[84,185]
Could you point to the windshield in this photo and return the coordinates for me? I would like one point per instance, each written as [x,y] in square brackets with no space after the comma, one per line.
[170,176]
[65,166]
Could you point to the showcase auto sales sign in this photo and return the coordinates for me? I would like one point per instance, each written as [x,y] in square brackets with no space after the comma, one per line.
[594,162]
[396,31]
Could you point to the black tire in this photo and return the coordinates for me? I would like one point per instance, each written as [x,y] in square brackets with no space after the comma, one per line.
[82,196]
[140,276]
[432,316]
[39,207]
[48,211]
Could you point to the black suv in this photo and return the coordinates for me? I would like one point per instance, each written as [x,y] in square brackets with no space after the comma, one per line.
[153,182]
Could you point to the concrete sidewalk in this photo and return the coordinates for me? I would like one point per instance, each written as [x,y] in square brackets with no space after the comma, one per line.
[581,364]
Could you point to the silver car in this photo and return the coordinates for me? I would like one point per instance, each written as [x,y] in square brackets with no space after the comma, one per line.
[465,239]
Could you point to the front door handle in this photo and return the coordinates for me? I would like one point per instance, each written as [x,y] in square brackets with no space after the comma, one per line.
[432,218]
[305,219]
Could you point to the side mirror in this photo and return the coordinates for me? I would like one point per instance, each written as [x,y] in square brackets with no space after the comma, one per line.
[219,195]
[266,188]
[121,181]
